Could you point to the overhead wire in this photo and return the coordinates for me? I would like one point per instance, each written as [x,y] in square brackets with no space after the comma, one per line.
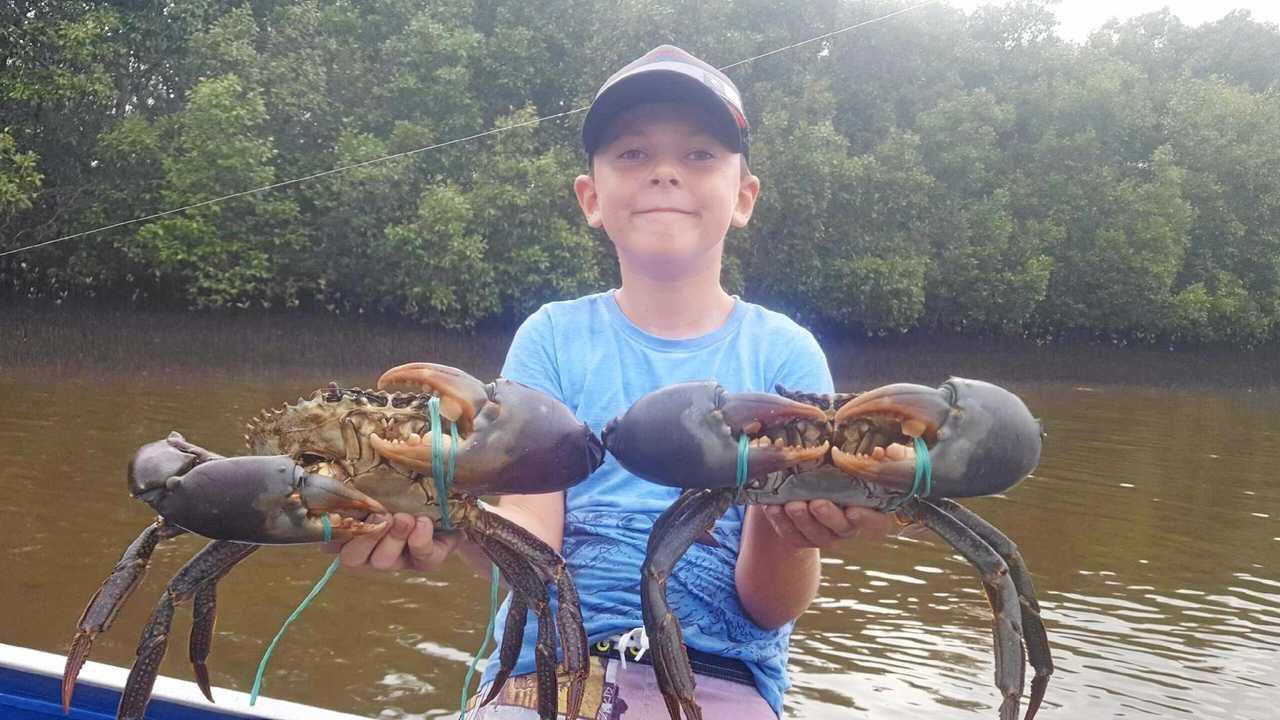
[407,153]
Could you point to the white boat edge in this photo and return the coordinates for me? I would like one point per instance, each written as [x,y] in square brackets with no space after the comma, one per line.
[182,692]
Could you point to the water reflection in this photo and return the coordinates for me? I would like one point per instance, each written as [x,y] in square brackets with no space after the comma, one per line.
[1150,528]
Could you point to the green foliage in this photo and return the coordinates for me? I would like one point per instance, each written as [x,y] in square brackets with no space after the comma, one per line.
[19,178]
[225,254]
[973,173]
[991,271]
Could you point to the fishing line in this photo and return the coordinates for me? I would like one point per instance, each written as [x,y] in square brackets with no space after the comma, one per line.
[407,153]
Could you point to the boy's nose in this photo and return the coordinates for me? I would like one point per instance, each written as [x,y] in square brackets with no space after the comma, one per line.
[664,171]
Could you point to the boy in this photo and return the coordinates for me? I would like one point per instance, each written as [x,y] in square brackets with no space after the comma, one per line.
[666,141]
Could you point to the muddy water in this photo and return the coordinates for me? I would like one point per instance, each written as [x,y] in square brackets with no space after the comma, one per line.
[1152,528]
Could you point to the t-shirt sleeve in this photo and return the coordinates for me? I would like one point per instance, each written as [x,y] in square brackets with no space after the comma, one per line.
[531,359]
[805,366]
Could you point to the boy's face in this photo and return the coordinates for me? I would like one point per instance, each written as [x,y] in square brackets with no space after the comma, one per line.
[666,191]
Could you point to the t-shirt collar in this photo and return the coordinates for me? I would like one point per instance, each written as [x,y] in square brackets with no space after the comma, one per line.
[661,344]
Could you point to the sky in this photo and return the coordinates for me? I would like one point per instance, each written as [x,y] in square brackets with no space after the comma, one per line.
[1077,18]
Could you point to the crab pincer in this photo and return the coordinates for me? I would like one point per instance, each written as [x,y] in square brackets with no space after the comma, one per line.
[687,435]
[257,499]
[512,438]
[981,438]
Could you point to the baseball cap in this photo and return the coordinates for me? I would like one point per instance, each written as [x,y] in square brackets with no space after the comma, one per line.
[669,74]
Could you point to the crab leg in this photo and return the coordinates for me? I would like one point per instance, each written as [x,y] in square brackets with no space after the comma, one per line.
[694,513]
[204,611]
[1001,593]
[548,563]
[1033,632]
[109,598]
[208,566]
[512,641]
[525,581]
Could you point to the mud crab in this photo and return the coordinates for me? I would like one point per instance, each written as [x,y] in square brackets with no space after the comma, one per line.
[855,450]
[333,460]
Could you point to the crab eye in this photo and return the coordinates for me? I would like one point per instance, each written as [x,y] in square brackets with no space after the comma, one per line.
[308,459]
[952,392]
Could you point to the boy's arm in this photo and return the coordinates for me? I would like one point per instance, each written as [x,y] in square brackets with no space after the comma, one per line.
[779,564]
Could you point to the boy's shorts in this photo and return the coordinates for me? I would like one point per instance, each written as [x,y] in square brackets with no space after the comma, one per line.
[617,693]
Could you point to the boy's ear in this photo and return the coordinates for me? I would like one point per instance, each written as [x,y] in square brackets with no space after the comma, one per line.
[584,186]
[748,192]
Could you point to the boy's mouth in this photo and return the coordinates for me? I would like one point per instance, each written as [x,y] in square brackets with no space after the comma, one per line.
[652,211]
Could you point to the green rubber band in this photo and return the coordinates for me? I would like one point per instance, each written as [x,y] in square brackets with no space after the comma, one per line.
[922,485]
[262,666]
[742,460]
[924,467]
[484,644]
[442,480]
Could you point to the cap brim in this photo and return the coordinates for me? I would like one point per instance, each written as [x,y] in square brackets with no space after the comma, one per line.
[657,86]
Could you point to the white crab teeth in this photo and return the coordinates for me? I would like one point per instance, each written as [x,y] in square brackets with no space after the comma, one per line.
[913,428]
[894,451]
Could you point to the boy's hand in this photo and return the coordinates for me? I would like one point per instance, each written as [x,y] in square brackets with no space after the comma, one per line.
[821,523]
[408,543]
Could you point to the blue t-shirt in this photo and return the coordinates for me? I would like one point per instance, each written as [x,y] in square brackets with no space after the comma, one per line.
[587,354]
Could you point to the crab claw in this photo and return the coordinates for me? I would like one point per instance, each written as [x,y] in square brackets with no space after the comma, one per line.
[687,435]
[461,395]
[261,499]
[154,463]
[512,438]
[981,438]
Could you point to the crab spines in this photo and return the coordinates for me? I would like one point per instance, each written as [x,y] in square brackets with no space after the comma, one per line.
[982,439]
[687,435]
[461,395]
[263,499]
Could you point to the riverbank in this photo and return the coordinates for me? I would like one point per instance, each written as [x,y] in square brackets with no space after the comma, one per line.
[63,340]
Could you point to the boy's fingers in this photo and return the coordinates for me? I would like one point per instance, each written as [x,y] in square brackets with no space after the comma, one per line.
[817,534]
[870,523]
[797,525]
[783,526]
[387,553]
[427,550]
[833,518]
[355,552]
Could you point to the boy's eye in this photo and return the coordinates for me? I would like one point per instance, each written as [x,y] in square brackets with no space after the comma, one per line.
[700,155]
[632,154]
